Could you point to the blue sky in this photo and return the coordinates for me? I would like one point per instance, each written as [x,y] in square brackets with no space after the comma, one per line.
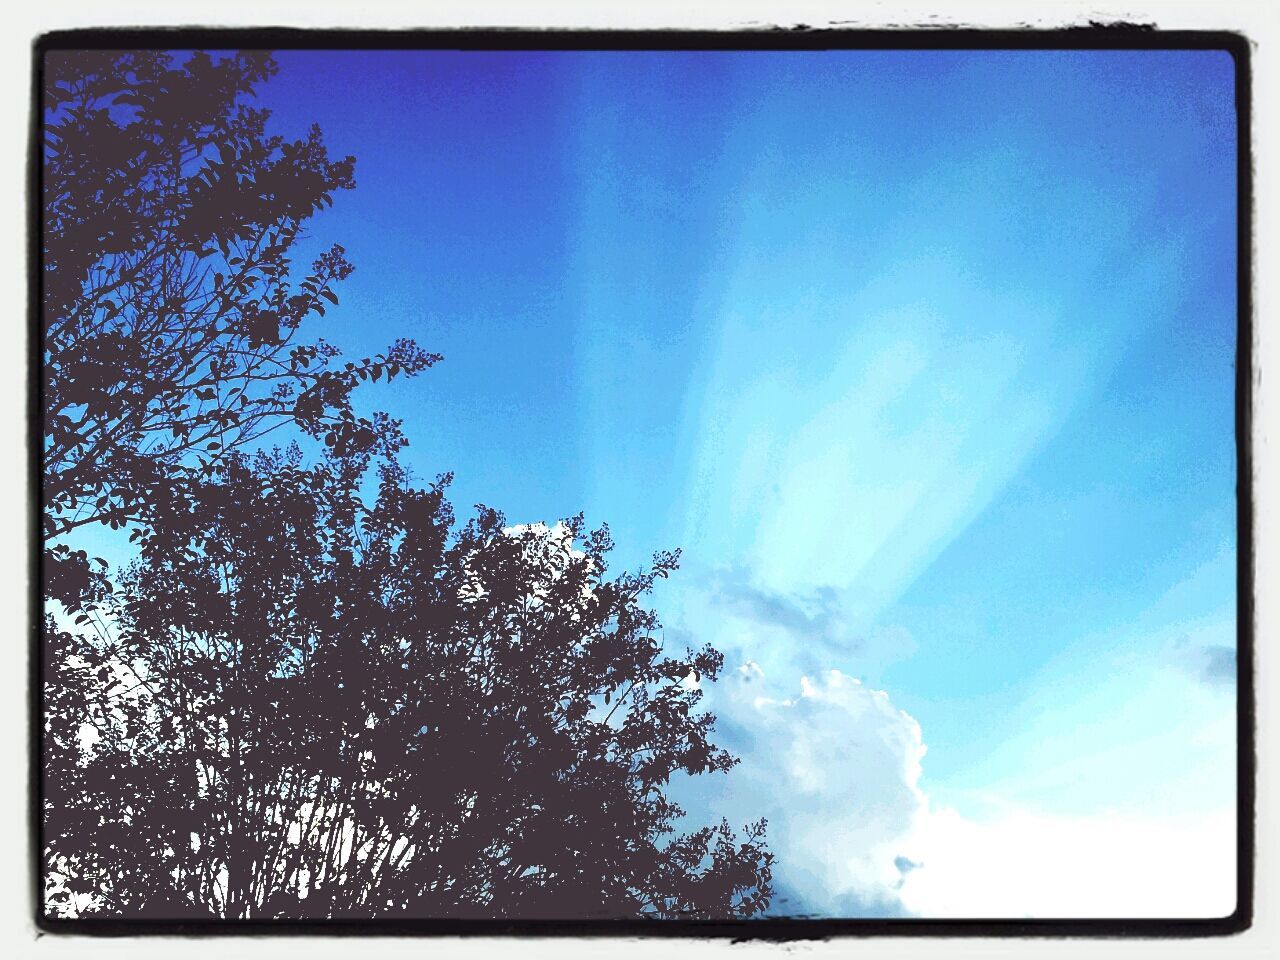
[924,359]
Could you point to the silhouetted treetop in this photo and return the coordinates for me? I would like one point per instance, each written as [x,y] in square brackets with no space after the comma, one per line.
[301,700]
[322,709]
[170,310]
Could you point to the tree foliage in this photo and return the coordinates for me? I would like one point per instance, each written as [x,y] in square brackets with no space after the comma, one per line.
[170,313]
[297,703]
[306,707]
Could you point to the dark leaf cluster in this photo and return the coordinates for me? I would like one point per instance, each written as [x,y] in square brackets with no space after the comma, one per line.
[306,707]
[302,701]
[170,312]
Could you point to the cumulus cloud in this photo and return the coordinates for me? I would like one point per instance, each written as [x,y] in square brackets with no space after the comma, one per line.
[1111,794]
[836,768]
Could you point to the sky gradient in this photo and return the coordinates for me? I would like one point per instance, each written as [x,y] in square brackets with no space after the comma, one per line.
[923,359]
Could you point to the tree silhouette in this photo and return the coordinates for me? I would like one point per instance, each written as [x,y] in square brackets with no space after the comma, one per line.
[305,707]
[294,704]
[169,312]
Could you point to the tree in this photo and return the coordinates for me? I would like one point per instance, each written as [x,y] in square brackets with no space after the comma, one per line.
[305,707]
[169,311]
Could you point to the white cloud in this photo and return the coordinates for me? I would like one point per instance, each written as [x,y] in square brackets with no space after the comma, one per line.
[836,768]
[1026,864]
